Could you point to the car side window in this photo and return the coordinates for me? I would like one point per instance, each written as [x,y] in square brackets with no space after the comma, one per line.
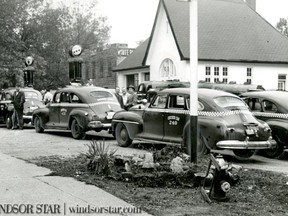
[176,102]
[254,104]
[74,98]
[57,98]
[64,98]
[159,102]
[269,106]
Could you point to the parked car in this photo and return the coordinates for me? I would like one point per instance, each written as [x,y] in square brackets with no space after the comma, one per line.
[78,109]
[224,120]
[32,101]
[230,87]
[271,107]
[147,89]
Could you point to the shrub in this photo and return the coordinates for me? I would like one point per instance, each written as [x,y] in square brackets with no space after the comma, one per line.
[100,159]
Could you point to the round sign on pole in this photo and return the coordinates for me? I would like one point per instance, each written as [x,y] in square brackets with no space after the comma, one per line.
[76,50]
[29,61]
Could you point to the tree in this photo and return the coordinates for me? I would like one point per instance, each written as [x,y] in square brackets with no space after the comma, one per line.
[282,26]
[32,28]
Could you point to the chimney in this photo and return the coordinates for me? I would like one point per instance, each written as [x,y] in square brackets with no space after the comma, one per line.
[251,4]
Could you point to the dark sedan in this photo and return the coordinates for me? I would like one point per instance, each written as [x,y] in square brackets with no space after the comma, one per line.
[78,109]
[225,122]
[32,101]
[271,107]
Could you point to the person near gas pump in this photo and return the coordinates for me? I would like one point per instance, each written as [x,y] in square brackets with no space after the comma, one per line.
[18,100]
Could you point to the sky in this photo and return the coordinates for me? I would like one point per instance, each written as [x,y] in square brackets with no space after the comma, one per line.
[132,20]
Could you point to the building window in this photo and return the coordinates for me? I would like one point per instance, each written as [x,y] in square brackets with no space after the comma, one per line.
[249,76]
[216,71]
[146,76]
[282,82]
[225,74]
[101,68]
[136,80]
[110,65]
[167,69]
[216,74]
[249,72]
[208,71]
[207,79]
[225,71]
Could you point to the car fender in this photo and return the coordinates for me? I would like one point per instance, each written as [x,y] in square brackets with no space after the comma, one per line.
[81,116]
[279,128]
[132,121]
[212,131]
[43,114]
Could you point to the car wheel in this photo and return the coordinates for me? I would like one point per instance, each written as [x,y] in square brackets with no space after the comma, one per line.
[76,130]
[37,124]
[201,143]
[201,146]
[122,135]
[276,152]
[243,154]
[8,122]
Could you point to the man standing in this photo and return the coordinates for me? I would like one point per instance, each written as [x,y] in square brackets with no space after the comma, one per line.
[132,98]
[48,97]
[18,99]
[119,97]
[124,96]
[90,82]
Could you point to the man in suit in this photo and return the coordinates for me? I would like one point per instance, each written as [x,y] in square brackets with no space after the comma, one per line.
[18,99]
[119,97]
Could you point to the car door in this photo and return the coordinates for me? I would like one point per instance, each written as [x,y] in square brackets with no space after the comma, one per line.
[175,118]
[65,109]
[153,119]
[54,110]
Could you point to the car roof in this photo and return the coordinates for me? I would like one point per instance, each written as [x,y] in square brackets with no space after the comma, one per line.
[269,94]
[82,91]
[202,92]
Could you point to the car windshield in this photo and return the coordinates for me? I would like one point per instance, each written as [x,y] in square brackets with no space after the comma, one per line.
[96,96]
[30,95]
[231,103]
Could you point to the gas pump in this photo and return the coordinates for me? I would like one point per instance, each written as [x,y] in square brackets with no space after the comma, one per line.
[29,72]
[75,64]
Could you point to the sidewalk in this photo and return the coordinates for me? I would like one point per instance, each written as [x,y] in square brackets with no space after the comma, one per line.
[25,190]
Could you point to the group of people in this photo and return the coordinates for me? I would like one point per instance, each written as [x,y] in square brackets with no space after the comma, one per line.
[126,100]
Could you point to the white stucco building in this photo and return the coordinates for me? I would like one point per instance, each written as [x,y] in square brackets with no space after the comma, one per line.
[235,44]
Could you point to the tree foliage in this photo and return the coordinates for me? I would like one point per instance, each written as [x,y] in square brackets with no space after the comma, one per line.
[282,26]
[34,28]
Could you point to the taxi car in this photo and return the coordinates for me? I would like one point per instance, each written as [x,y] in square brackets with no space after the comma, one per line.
[78,109]
[224,121]
[33,100]
[271,107]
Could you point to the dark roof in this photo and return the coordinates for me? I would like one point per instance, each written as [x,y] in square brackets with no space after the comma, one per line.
[134,60]
[228,30]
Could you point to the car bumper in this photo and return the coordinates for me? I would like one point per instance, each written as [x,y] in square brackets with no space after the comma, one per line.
[98,125]
[246,144]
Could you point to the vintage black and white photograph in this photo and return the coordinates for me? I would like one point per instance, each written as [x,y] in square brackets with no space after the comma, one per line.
[144,107]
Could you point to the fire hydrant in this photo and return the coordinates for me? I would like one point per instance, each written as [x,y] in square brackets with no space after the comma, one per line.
[219,180]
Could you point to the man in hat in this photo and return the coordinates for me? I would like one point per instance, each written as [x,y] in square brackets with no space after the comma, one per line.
[132,98]
[18,99]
